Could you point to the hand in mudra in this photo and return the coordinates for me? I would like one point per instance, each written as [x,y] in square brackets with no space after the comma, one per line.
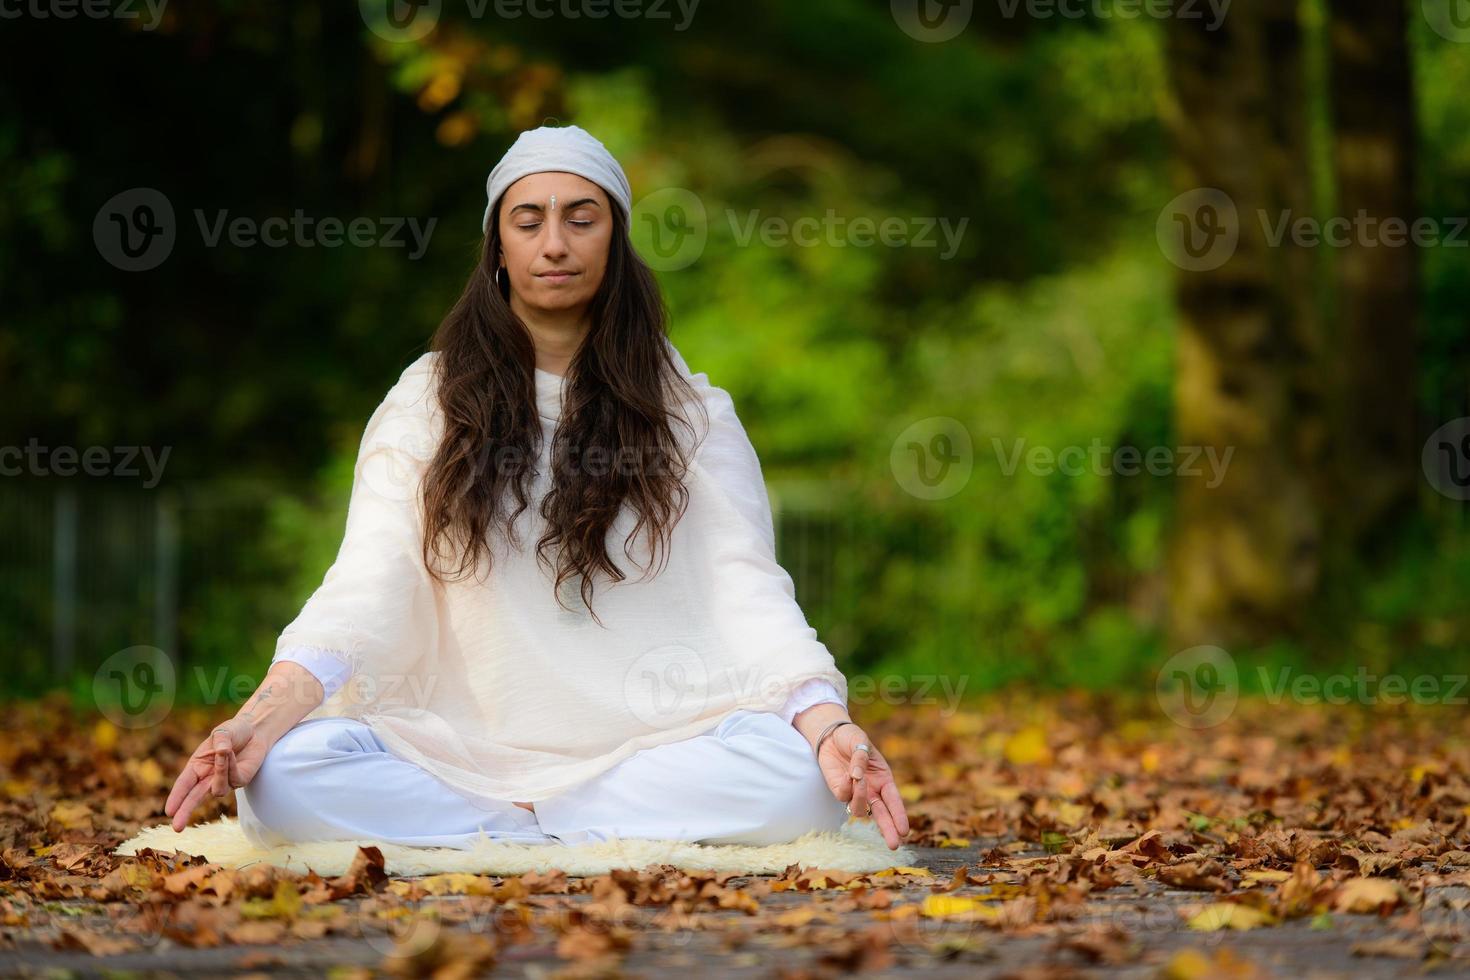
[229,757]
[858,775]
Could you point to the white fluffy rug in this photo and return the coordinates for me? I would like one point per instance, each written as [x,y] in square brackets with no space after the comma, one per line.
[857,847]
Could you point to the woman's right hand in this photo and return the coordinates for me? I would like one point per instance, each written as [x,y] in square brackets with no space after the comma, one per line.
[230,757]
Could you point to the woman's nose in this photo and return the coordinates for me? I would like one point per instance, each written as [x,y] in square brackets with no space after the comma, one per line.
[555,243]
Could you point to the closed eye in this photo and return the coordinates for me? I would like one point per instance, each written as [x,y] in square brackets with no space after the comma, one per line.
[536,224]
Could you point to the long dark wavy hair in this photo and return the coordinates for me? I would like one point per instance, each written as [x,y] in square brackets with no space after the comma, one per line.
[621,389]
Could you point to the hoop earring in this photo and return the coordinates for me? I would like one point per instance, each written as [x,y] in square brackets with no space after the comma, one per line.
[502,280]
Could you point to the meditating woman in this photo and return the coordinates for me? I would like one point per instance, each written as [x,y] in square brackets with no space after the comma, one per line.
[614,653]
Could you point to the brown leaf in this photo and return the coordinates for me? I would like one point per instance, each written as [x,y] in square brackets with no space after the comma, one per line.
[75,937]
[1368,895]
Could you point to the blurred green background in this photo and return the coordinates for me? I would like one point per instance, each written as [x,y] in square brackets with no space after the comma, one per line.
[1062,315]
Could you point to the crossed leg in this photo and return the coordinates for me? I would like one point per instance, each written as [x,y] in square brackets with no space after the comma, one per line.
[751,780]
[333,779]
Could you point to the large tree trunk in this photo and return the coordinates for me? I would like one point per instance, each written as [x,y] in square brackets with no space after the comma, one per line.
[1246,553]
[1374,371]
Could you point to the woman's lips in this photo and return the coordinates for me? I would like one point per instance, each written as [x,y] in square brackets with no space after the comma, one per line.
[556,276]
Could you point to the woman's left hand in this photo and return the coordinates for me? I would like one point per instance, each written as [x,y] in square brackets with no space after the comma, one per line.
[859,776]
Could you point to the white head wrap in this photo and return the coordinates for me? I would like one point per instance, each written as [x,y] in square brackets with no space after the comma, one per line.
[570,149]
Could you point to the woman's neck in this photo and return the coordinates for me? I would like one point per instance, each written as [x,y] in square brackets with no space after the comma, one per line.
[557,334]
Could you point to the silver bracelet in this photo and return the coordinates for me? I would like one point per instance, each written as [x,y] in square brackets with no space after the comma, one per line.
[817,751]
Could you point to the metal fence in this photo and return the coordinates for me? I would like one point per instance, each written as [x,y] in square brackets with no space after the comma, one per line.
[87,570]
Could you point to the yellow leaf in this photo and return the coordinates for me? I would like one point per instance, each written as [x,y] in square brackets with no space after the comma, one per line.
[1148,759]
[1028,747]
[1187,964]
[1228,915]
[457,883]
[1419,771]
[284,904]
[104,735]
[965,723]
[954,842]
[1191,964]
[146,771]
[71,814]
[911,794]
[442,89]
[900,870]
[456,129]
[1367,895]
[1264,876]
[949,906]
[1072,814]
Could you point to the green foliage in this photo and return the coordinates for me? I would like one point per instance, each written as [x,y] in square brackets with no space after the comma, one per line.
[1050,326]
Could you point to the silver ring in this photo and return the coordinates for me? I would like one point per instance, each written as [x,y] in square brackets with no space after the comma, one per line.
[862,747]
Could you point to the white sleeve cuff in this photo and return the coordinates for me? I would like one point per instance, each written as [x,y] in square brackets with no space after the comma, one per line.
[814,691]
[328,666]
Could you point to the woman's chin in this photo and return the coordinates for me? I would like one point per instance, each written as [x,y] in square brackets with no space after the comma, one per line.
[558,298]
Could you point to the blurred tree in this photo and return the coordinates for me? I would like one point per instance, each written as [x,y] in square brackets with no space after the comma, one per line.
[1375,371]
[1245,553]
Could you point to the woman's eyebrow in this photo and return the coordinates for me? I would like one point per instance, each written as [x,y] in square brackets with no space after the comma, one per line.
[541,208]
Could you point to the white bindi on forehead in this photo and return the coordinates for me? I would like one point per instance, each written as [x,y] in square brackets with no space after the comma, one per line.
[553,202]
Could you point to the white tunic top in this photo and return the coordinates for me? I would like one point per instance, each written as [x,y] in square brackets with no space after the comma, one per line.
[495,689]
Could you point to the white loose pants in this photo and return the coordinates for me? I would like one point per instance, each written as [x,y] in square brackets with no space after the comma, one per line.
[750,780]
